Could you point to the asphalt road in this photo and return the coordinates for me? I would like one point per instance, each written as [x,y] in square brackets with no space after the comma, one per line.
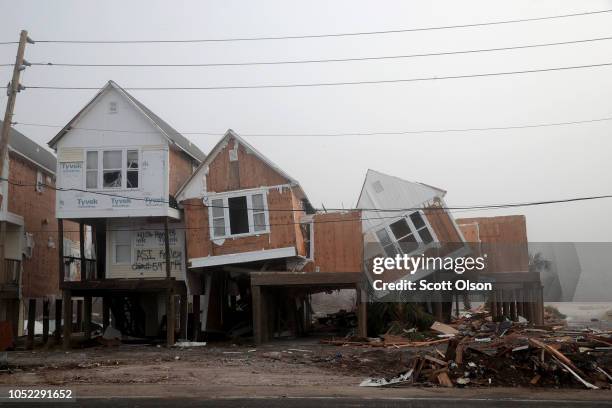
[318,402]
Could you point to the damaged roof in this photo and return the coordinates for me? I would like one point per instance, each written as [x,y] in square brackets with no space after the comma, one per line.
[31,150]
[168,131]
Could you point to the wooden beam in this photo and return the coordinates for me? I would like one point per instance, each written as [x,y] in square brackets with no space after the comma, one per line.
[45,321]
[257,314]
[58,321]
[87,317]
[105,312]
[170,318]
[167,248]
[362,316]
[306,278]
[82,251]
[31,323]
[79,315]
[60,251]
[183,313]
[67,319]
[195,330]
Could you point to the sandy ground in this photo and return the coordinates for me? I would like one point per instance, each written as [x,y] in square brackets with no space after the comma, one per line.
[276,369]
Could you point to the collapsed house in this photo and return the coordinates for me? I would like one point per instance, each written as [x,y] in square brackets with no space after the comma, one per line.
[119,167]
[257,249]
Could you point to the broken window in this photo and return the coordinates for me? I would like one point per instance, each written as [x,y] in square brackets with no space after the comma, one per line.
[123,247]
[386,242]
[238,215]
[218,217]
[132,169]
[92,170]
[111,169]
[404,236]
[259,213]
[421,228]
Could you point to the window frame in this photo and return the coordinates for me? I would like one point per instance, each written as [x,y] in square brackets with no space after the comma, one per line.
[124,169]
[413,231]
[226,218]
[115,243]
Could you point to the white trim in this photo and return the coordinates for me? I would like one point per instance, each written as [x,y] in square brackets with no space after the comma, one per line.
[11,218]
[208,198]
[242,257]
[413,230]
[122,213]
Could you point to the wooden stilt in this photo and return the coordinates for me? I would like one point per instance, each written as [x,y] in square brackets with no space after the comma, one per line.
[58,321]
[45,321]
[31,323]
[67,319]
[87,317]
[257,314]
[183,313]
[362,318]
[105,312]
[79,315]
[195,330]
[170,318]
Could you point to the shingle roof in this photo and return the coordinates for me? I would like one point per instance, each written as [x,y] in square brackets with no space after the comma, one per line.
[31,150]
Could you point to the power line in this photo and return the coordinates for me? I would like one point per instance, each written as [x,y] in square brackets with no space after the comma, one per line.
[320,84]
[381,133]
[349,34]
[325,60]
[383,210]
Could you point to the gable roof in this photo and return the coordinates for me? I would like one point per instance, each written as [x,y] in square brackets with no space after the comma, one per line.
[31,150]
[168,131]
[219,147]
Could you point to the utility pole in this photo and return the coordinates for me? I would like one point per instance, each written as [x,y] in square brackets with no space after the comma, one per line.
[12,89]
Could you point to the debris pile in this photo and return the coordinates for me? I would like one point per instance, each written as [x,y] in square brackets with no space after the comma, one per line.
[481,352]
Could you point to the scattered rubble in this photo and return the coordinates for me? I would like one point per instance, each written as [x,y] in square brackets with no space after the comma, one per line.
[481,352]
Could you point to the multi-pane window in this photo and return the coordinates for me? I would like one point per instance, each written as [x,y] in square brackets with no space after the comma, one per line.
[123,247]
[238,215]
[259,212]
[405,235]
[112,169]
[92,170]
[218,217]
[132,169]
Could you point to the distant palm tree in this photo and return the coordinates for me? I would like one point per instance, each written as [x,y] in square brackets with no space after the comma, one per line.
[538,263]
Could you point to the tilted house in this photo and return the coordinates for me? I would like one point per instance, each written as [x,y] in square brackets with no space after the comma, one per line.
[404,217]
[119,168]
[255,246]
[29,268]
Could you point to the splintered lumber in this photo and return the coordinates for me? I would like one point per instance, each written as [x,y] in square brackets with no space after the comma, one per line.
[535,379]
[555,353]
[422,343]
[583,381]
[444,380]
[435,360]
[443,328]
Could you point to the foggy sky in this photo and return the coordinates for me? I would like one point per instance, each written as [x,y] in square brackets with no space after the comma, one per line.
[475,168]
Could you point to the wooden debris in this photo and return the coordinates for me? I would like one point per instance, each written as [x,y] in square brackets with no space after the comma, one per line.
[444,380]
[443,328]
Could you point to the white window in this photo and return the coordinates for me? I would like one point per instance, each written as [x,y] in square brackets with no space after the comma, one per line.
[238,215]
[91,175]
[122,247]
[40,182]
[405,235]
[112,169]
[132,169]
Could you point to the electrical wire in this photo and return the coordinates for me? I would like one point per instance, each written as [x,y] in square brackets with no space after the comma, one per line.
[328,35]
[388,210]
[382,133]
[316,61]
[323,84]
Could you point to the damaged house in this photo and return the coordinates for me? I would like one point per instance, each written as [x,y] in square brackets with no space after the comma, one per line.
[257,250]
[119,168]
